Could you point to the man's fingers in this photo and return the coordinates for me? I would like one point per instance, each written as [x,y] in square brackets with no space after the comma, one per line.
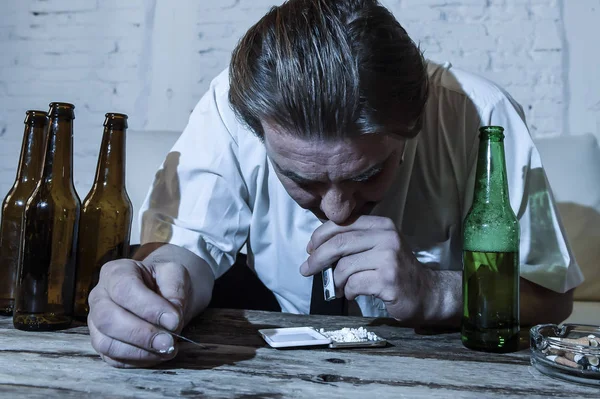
[126,286]
[117,323]
[363,283]
[173,284]
[121,354]
[128,312]
[344,245]
[364,222]
[349,265]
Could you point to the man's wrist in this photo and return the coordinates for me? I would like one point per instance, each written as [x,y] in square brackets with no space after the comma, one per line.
[442,297]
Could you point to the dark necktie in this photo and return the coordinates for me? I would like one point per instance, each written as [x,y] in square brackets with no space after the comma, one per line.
[318,304]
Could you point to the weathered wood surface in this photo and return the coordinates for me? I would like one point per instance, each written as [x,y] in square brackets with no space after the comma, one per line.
[237,363]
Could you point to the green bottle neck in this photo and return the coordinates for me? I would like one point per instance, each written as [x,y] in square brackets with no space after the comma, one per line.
[491,183]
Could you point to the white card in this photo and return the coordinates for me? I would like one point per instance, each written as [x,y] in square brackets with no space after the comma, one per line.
[293,337]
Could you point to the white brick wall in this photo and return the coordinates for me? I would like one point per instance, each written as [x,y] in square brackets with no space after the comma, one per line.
[88,52]
[153,59]
[581,25]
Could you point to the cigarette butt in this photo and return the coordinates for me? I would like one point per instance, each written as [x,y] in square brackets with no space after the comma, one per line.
[579,341]
[553,350]
[593,360]
[578,358]
[594,340]
[563,361]
[571,356]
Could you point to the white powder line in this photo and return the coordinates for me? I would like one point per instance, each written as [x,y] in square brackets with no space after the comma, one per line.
[350,335]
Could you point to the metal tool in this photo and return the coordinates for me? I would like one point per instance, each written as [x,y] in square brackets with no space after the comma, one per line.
[187,340]
[191,341]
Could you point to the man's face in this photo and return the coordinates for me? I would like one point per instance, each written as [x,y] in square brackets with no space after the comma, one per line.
[335,180]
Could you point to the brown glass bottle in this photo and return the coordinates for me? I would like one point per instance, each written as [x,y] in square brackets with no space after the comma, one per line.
[28,174]
[46,278]
[106,213]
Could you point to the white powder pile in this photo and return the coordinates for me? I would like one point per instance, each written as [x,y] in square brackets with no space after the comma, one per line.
[350,335]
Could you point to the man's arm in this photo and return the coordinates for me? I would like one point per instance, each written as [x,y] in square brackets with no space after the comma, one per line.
[201,276]
[373,259]
[442,301]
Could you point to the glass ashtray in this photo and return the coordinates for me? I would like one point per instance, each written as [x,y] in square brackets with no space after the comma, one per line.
[570,352]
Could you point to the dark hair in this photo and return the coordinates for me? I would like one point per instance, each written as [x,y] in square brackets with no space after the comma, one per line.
[329,69]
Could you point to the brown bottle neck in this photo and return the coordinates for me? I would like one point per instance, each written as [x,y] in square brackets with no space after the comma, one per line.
[32,154]
[58,162]
[110,172]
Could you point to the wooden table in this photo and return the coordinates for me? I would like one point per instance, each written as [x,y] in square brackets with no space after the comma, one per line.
[237,363]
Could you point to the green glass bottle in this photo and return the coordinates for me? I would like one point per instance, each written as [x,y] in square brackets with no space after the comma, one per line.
[28,174]
[46,278]
[106,214]
[491,237]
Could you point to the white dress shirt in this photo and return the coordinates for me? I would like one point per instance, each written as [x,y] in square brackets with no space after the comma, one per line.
[217,191]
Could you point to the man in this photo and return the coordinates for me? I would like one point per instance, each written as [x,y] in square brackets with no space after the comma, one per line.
[328,140]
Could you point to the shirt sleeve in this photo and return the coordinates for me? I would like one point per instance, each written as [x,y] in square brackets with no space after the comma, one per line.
[546,257]
[199,199]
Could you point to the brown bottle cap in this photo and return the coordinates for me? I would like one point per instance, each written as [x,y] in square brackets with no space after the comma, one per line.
[36,118]
[62,110]
[115,120]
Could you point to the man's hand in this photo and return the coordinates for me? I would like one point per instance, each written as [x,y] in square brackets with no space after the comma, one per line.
[130,300]
[165,286]
[373,259]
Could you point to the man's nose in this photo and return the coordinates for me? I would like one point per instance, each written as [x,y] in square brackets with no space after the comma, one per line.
[338,205]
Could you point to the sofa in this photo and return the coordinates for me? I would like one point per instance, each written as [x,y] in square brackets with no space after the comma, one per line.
[572,166]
